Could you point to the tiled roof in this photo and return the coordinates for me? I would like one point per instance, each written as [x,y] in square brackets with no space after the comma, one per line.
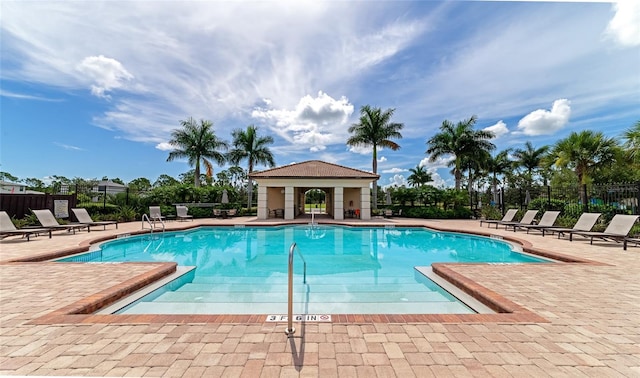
[313,169]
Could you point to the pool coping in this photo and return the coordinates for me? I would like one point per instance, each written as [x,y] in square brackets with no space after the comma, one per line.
[82,311]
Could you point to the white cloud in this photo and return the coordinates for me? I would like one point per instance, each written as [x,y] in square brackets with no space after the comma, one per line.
[165,146]
[20,96]
[105,73]
[382,159]
[397,180]
[499,129]
[362,150]
[68,147]
[394,170]
[624,27]
[545,122]
[441,162]
[314,123]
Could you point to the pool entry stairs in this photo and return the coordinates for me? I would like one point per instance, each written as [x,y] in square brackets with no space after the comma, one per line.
[268,295]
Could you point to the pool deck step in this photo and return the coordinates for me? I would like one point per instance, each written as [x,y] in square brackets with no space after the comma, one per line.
[299,308]
[299,287]
[281,296]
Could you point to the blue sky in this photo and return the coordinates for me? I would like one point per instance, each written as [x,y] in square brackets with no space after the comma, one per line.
[93,89]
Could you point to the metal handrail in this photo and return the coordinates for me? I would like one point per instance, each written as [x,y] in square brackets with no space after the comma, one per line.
[290,330]
[144,216]
[152,225]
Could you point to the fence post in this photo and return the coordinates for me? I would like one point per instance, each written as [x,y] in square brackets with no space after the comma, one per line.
[548,196]
[104,197]
[585,205]
[637,210]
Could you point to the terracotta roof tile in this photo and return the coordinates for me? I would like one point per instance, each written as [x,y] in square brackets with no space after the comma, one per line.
[313,169]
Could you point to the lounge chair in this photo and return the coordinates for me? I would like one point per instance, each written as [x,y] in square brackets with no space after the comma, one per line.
[155,215]
[84,218]
[47,220]
[547,220]
[617,230]
[527,218]
[508,217]
[388,213]
[181,213]
[584,223]
[232,212]
[7,228]
[626,241]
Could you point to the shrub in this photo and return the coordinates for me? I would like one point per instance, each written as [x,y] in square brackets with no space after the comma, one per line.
[490,212]
[437,213]
[127,214]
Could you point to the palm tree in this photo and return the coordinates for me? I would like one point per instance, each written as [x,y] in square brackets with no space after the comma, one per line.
[632,142]
[375,129]
[585,152]
[530,158]
[197,142]
[249,145]
[498,165]
[459,140]
[419,176]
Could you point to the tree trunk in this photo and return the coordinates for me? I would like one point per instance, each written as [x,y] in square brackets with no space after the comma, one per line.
[196,179]
[375,183]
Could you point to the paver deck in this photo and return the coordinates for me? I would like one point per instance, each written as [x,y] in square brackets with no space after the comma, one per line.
[585,321]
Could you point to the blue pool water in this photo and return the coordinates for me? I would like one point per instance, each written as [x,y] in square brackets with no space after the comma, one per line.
[349,270]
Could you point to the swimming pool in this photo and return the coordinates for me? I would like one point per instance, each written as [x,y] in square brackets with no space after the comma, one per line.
[350,270]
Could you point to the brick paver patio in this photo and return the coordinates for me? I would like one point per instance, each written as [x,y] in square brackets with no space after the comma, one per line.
[577,319]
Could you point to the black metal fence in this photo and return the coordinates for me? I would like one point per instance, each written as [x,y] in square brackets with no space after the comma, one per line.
[617,197]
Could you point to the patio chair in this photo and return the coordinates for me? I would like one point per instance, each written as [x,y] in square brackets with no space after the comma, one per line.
[508,217]
[388,213]
[547,220]
[49,221]
[155,215]
[84,218]
[7,228]
[181,213]
[527,218]
[584,223]
[617,230]
[232,212]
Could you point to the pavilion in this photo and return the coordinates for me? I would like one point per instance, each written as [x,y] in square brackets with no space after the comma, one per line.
[281,190]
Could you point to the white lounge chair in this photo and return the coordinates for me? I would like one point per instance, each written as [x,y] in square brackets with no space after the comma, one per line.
[47,220]
[617,230]
[527,218]
[508,217]
[181,213]
[547,220]
[84,218]
[7,228]
[584,223]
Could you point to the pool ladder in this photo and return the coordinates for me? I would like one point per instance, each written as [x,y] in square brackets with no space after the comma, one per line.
[290,330]
[152,225]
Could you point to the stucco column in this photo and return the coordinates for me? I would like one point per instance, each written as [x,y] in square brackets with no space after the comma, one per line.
[365,203]
[262,202]
[289,203]
[338,199]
